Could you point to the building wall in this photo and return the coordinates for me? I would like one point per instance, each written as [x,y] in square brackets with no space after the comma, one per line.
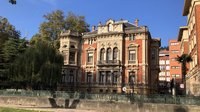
[175,67]
[192,11]
[115,73]
[164,75]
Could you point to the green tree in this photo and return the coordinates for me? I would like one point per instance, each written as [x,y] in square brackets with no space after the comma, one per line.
[56,22]
[76,23]
[9,46]
[184,59]
[40,65]
[12,48]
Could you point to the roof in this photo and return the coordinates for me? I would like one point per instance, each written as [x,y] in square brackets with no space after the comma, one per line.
[181,32]
[127,26]
[69,33]
[187,4]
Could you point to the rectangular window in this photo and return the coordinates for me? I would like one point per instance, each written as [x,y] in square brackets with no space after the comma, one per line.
[72,58]
[175,51]
[71,78]
[167,62]
[102,77]
[114,77]
[168,73]
[162,74]
[175,75]
[108,77]
[162,68]
[168,79]
[162,62]
[90,57]
[89,77]
[175,67]
[132,56]
[174,43]
[162,78]
[167,67]
[173,59]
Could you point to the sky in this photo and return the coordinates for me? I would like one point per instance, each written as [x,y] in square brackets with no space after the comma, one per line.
[163,17]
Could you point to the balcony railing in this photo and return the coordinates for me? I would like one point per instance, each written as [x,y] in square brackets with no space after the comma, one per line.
[108,62]
[111,84]
[131,62]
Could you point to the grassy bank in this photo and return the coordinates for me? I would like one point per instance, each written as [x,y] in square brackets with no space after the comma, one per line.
[3,109]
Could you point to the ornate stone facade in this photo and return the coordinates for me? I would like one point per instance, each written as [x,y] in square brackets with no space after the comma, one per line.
[117,55]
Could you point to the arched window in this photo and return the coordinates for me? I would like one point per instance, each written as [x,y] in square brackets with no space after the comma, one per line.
[72,46]
[115,54]
[109,52]
[102,52]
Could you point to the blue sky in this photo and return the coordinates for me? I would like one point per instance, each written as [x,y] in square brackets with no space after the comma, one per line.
[163,17]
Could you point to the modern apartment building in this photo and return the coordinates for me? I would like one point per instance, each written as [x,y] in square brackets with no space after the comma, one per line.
[164,75]
[175,66]
[114,57]
[192,34]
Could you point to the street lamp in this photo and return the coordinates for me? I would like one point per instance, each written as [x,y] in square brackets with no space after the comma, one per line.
[132,83]
[119,78]
[173,85]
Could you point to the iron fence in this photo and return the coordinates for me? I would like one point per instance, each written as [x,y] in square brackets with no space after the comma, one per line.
[132,98]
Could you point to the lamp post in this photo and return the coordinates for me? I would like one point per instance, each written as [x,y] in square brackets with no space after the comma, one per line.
[119,78]
[174,86]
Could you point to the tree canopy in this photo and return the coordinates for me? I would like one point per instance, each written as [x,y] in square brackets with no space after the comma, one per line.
[40,64]
[10,47]
[55,22]
[184,59]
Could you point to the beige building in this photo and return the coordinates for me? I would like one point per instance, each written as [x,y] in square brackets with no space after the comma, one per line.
[189,36]
[113,57]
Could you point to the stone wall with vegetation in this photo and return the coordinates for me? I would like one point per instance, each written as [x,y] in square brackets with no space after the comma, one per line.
[101,106]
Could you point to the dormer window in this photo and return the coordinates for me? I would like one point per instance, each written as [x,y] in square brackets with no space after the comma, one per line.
[131,38]
[110,27]
[90,41]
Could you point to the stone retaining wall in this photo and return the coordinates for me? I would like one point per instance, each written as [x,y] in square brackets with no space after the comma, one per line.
[97,105]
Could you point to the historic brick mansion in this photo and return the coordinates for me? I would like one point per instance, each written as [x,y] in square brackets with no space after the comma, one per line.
[114,57]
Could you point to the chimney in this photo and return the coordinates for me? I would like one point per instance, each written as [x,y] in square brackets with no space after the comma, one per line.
[136,22]
[93,28]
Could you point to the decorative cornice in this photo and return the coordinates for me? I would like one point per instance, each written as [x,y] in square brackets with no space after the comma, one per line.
[187,4]
[180,34]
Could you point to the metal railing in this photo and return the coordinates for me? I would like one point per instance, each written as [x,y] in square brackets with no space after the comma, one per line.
[134,98]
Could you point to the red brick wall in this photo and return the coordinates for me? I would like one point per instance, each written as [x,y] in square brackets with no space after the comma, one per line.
[84,58]
[197,13]
[186,51]
[139,56]
[174,55]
